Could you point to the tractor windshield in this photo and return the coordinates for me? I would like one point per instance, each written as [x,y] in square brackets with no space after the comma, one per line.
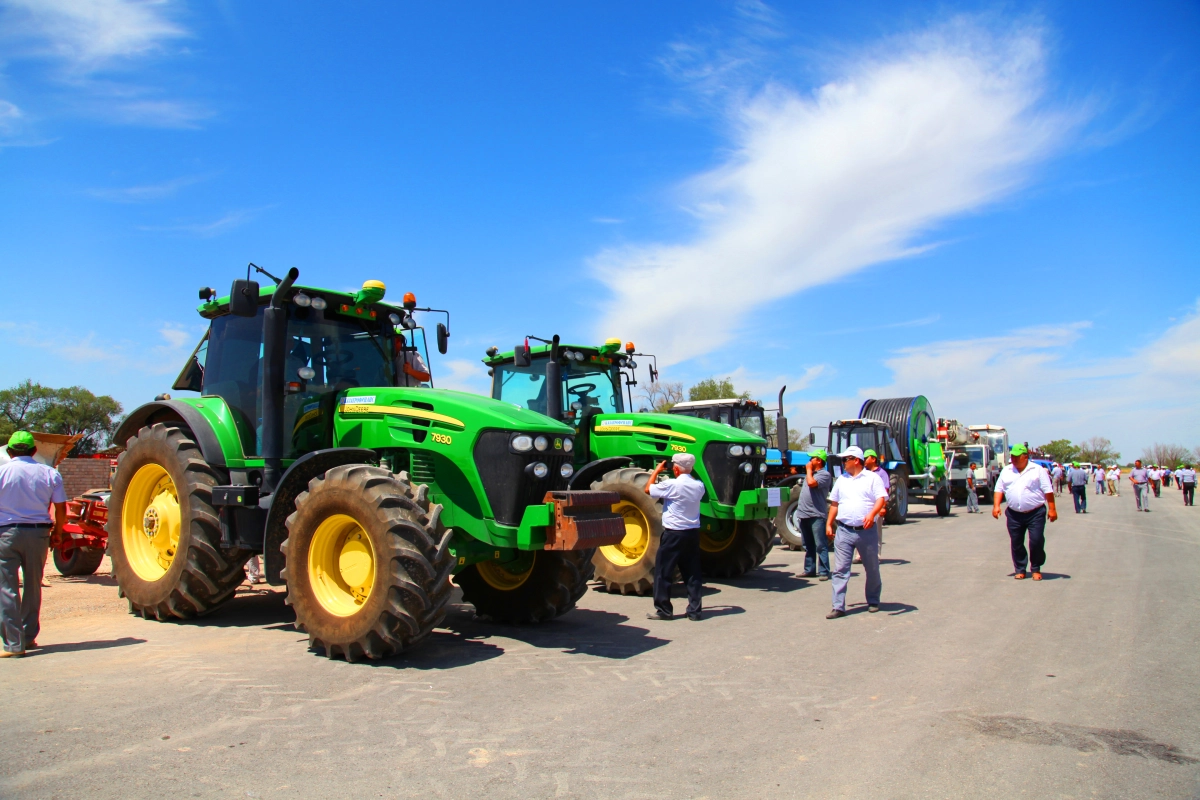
[583,387]
[864,438]
[751,421]
[325,355]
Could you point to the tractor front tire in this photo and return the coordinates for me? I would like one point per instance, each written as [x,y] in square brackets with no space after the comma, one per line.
[628,567]
[744,550]
[542,585]
[896,511]
[164,536]
[367,562]
[78,560]
[785,524]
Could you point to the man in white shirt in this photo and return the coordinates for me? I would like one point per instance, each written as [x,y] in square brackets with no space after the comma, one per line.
[857,500]
[679,545]
[1155,479]
[1185,476]
[1114,481]
[1030,496]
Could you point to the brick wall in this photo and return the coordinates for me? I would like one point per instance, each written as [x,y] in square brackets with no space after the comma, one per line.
[81,474]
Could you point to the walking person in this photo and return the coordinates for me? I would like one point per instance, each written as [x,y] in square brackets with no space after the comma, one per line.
[972,490]
[857,499]
[871,462]
[1030,496]
[1139,478]
[679,545]
[1155,475]
[1113,477]
[1185,476]
[1078,479]
[1098,477]
[27,489]
[1057,475]
[1166,477]
[810,513]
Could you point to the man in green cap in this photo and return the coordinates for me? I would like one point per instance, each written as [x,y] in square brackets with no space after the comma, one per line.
[871,462]
[1078,479]
[1030,495]
[810,513]
[27,489]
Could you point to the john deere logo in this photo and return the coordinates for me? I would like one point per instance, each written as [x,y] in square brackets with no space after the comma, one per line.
[558,444]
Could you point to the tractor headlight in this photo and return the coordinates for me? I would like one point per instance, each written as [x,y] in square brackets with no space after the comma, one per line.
[541,443]
[763,468]
[747,467]
[522,443]
[302,300]
[538,470]
[566,470]
[319,303]
[394,318]
[736,450]
[762,451]
[568,444]
[307,373]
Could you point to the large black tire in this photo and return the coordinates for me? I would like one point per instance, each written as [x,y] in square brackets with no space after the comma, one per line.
[736,555]
[549,587]
[942,502]
[197,575]
[78,560]
[628,568]
[785,523]
[358,509]
[896,512]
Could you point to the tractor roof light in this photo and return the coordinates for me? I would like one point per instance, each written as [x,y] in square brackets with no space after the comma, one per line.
[629,348]
[302,300]
[394,318]
[410,301]
[319,303]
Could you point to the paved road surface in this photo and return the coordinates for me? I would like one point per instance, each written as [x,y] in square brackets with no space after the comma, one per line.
[969,684]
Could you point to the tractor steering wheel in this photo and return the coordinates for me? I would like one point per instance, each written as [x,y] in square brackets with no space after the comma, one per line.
[581,389]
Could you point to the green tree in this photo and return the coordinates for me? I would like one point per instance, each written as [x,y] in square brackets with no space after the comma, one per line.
[1061,450]
[713,389]
[33,407]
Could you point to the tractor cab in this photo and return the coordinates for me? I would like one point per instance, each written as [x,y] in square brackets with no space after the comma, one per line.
[736,412]
[867,434]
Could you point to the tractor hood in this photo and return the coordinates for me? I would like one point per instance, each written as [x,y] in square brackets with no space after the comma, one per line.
[448,409]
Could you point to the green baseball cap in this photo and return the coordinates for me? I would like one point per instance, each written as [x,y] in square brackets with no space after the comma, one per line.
[22,440]
[869,453]
[1019,450]
[819,453]
[1074,463]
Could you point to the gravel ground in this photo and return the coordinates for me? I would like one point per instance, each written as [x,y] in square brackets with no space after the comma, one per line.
[969,684]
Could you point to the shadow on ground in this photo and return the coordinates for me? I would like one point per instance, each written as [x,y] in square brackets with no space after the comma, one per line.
[73,647]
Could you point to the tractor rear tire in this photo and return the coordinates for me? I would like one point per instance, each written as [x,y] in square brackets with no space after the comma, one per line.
[896,511]
[785,526]
[745,550]
[628,567]
[78,560]
[942,503]
[549,587]
[367,562]
[164,535]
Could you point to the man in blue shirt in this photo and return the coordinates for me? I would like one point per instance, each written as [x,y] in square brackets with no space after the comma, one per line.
[679,545]
[1078,479]
[27,489]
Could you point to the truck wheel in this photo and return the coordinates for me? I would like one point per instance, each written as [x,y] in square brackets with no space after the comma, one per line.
[78,560]
[367,562]
[896,512]
[164,535]
[728,554]
[536,587]
[942,503]
[785,526]
[628,567]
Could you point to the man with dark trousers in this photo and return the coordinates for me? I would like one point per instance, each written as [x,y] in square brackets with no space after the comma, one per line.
[1078,479]
[810,515]
[679,545]
[1030,495]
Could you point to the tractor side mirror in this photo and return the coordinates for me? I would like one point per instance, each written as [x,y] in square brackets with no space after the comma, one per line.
[521,356]
[243,299]
[443,336]
[812,438]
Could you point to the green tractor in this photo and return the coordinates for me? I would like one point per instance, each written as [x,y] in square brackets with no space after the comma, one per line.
[615,450]
[318,440]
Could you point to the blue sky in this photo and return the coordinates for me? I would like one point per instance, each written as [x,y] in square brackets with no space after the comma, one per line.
[994,205]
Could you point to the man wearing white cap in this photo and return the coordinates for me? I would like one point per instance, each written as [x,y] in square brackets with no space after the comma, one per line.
[857,500]
[679,545]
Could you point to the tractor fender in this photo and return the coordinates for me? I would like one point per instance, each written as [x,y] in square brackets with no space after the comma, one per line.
[295,480]
[594,470]
[168,411]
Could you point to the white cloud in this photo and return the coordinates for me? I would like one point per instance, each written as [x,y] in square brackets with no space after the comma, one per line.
[87,35]
[463,375]
[226,222]
[817,186]
[10,117]
[1032,381]
[146,192]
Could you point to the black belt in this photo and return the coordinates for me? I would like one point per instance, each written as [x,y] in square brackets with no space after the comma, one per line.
[27,525]
[852,527]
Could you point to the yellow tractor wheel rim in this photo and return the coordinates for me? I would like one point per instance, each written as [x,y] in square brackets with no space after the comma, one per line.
[341,565]
[503,579]
[150,522]
[718,541]
[633,547]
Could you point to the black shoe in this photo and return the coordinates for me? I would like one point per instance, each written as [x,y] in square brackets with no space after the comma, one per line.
[808,574]
[835,614]
[823,578]
[694,617]
[659,615]
[872,609]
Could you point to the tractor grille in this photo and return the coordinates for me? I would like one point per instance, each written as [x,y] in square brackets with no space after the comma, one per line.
[509,490]
[422,469]
[728,481]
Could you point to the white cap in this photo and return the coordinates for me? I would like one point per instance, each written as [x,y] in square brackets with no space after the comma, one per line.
[684,460]
[852,450]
